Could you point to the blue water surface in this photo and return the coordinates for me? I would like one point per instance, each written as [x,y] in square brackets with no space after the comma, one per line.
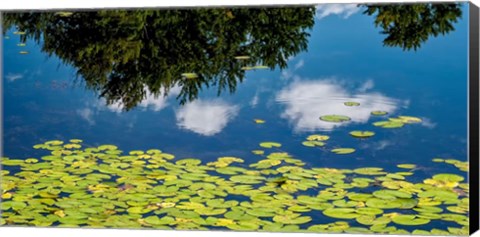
[345,61]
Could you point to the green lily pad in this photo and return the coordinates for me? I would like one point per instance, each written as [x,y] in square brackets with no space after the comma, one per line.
[379,113]
[313,143]
[362,134]
[407,166]
[351,103]
[341,213]
[410,119]
[391,194]
[189,75]
[409,220]
[318,137]
[242,57]
[343,151]
[369,171]
[260,67]
[295,219]
[388,124]
[335,118]
[270,144]
[448,178]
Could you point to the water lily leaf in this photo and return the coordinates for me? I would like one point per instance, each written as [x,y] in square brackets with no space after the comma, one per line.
[410,119]
[260,67]
[270,144]
[438,160]
[362,134]
[189,75]
[335,118]
[409,220]
[369,171]
[242,57]
[258,152]
[429,209]
[292,219]
[318,137]
[358,230]
[388,124]
[189,162]
[359,196]
[341,213]
[407,166]
[383,203]
[138,210]
[391,194]
[379,113]
[448,178]
[369,211]
[259,121]
[343,151]
[351,103]
[261,212]
[313,143]
[457,209]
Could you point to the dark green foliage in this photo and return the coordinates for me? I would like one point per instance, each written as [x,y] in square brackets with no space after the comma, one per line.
[410,25]
[124,54]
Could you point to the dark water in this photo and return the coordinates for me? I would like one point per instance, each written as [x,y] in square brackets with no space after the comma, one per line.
[345,60]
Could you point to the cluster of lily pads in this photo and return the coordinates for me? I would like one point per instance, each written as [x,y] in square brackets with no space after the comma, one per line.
[104,186]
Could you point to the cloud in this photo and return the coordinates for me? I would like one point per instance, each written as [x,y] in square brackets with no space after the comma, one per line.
[205,117]
[305,101]
[299,64]
[254,101]
[13,76]
[426,122]
[86,114]
[289,73]
[151,101]
[366,86]
[377,146]
[340,9]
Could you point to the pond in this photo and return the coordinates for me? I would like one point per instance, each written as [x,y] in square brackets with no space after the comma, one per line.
[340,118]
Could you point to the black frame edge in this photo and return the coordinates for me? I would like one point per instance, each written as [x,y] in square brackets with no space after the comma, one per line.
[474,122]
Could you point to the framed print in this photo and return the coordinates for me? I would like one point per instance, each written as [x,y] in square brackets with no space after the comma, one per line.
[331,118]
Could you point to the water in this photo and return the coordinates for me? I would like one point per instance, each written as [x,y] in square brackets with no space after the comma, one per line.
[345,60]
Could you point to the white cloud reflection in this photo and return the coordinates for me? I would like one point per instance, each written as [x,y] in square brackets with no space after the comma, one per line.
[87,115]
[306,101]
[14,76]
[340,9]
[151,102]
[206,117]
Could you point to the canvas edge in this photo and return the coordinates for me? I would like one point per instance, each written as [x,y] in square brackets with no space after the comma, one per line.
[473,133]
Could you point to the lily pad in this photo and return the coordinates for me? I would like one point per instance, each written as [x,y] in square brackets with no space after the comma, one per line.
[448,178]
[242,57]
[189,75]
[409,220]
[341,213]
[335,118]
[388,124]
[296,219]
[259,121]
[407,166]
[313,143]
[379,113]
[351,103]
[270,144]
[362,134]
[343,151]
